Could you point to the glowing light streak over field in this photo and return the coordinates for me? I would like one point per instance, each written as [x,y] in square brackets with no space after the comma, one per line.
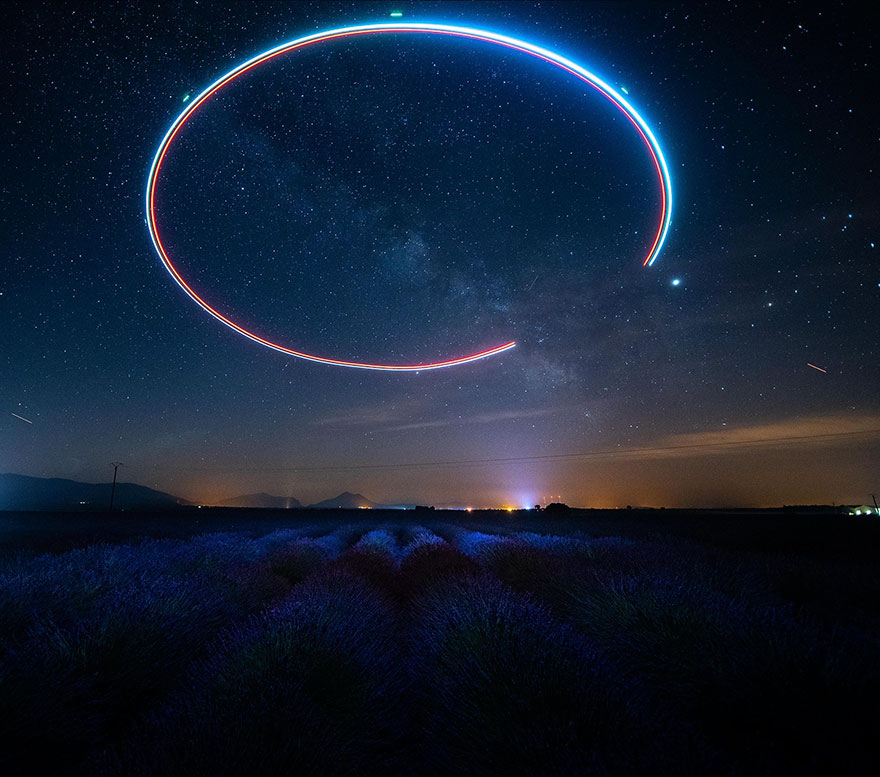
[565,64]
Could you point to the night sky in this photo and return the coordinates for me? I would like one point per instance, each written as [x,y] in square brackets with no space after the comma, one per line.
[407,198]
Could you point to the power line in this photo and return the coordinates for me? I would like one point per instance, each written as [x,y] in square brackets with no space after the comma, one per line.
[545,457]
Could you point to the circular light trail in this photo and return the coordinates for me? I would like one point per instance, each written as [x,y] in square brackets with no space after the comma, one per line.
[584,75]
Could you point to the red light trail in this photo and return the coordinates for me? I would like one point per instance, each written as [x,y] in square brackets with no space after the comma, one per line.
[567,65]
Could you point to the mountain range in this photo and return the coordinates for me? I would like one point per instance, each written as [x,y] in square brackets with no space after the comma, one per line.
[345,501]
[23,492]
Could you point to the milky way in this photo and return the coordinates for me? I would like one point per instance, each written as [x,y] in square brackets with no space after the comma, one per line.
[402,198]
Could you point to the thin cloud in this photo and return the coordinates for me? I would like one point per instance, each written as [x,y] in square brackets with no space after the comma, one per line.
[373,414]
[480,418]
[386,417]
[816,430]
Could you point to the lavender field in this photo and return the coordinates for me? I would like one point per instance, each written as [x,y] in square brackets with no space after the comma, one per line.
[440,648]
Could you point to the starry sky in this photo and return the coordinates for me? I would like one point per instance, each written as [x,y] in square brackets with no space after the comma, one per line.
[407,198]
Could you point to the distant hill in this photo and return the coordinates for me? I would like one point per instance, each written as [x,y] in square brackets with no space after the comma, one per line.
[262,500]
[22,492]
[345,501]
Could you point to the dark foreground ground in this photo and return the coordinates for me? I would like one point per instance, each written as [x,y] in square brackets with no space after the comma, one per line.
[228,642]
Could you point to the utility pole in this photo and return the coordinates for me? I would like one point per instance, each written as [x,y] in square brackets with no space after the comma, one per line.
[116,465]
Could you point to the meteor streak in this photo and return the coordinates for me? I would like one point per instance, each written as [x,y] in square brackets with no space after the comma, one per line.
[22,418]
[815,367]
[552,58]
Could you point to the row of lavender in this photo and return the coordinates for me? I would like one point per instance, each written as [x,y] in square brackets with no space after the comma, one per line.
[438,650]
